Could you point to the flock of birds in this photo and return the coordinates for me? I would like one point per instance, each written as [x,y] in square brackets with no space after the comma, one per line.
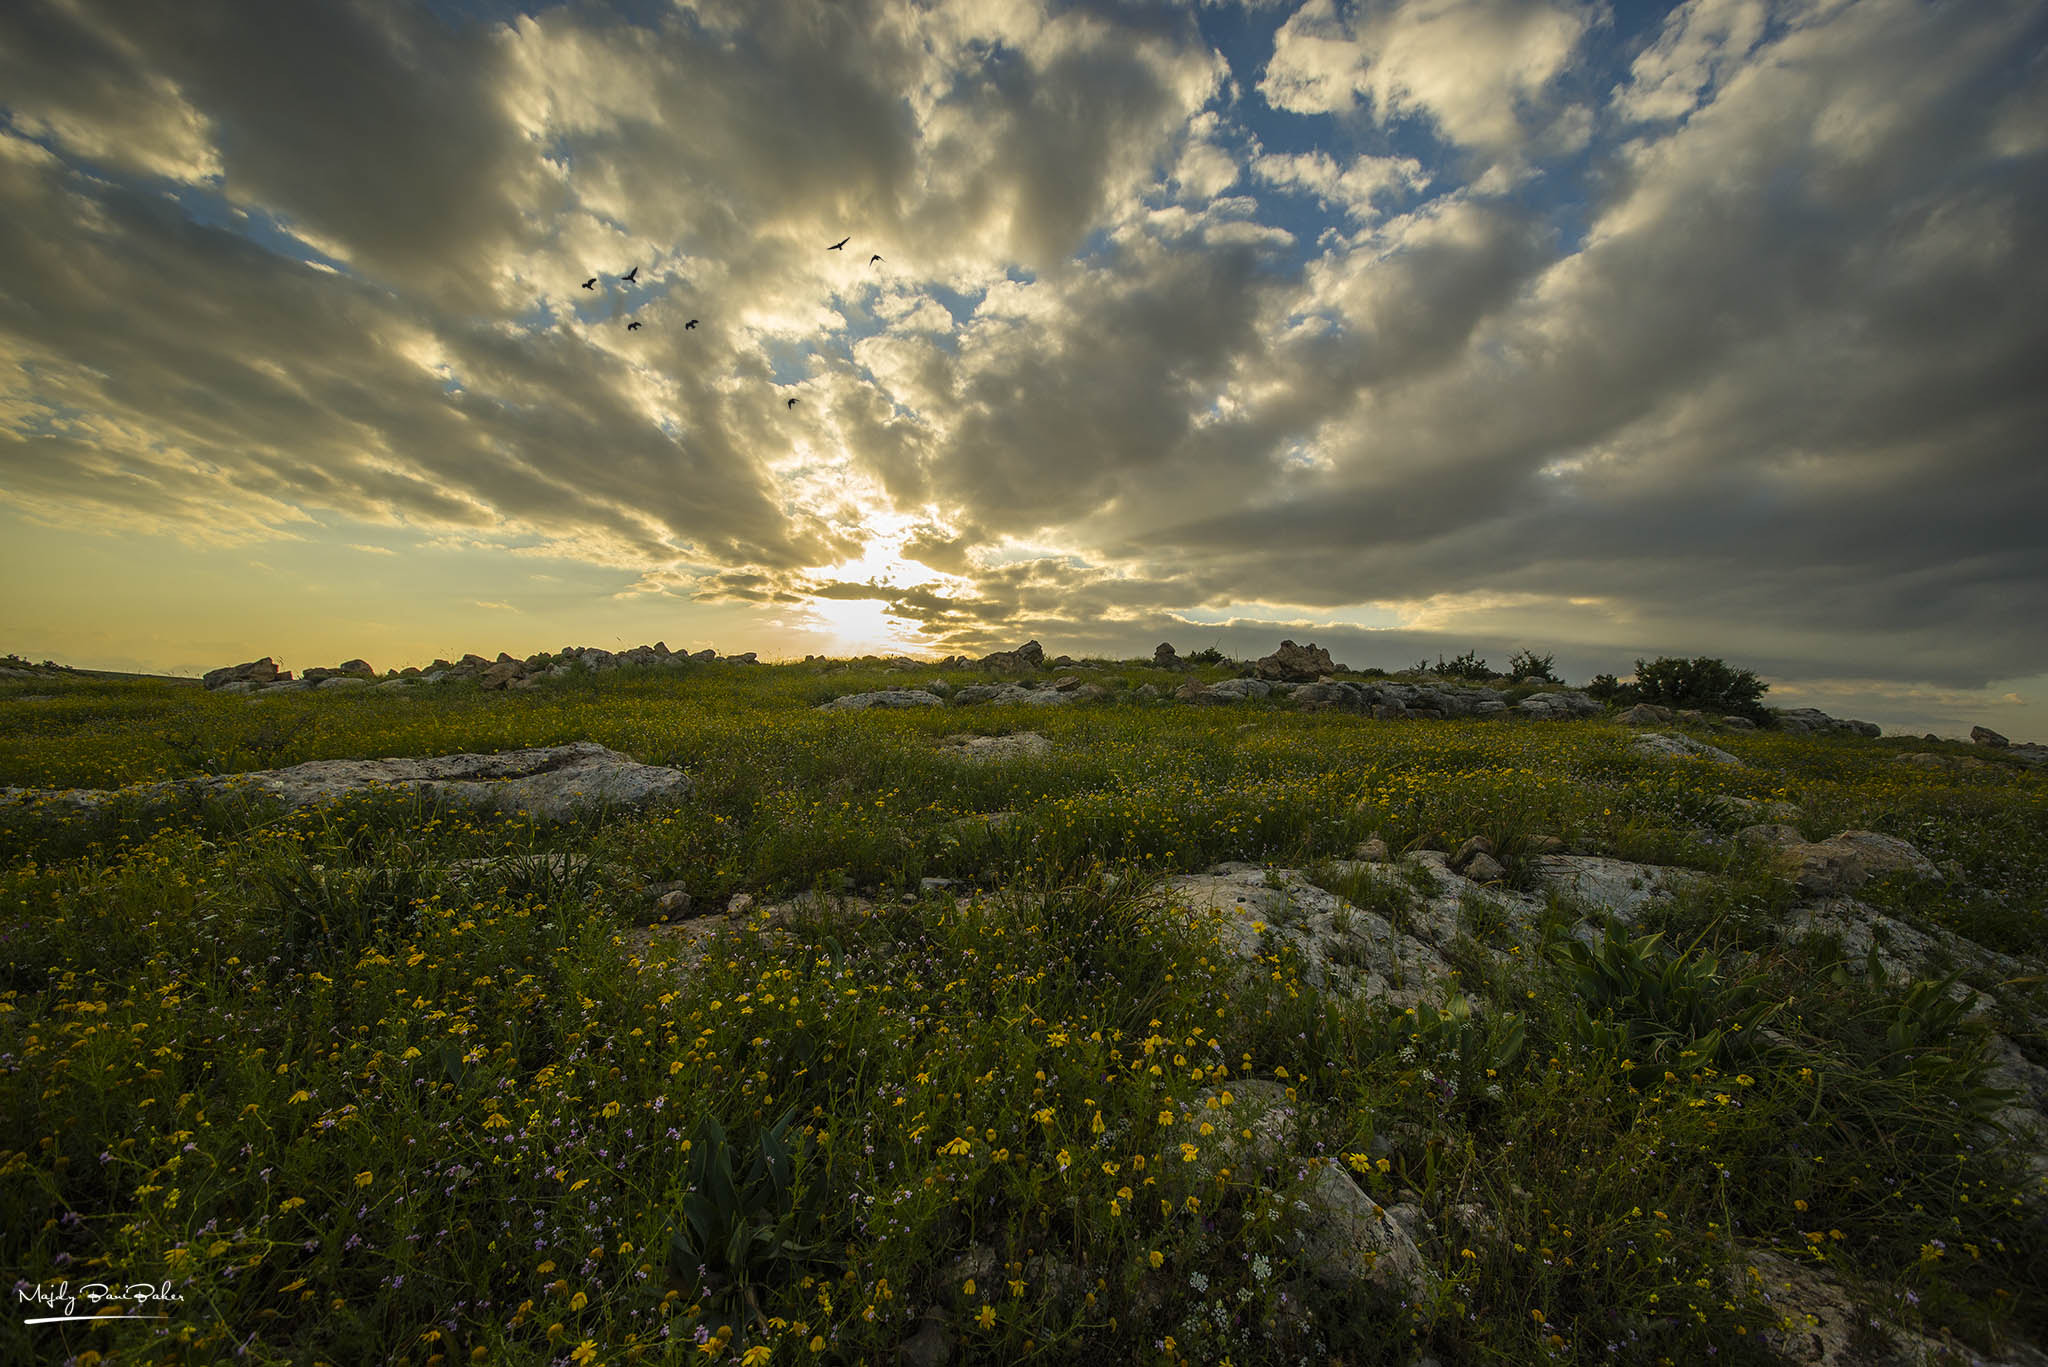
[633,325]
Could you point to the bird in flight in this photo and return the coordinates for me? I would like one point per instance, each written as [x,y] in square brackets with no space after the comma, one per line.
[840,243]
[792,403]
[632,327]
[687,326]
[591,283]
[628,276]
[873,259]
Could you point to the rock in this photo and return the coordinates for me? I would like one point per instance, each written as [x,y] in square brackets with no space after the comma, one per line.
[1238,690]
[1484,868]
[1545,844]
[1809,720]
[1562,706]
[1030,655]
[1645,714]
[503,673]
[1934,763]
[1474,846]
[1738,723]
[255,671]
[1342,947]
[1845,862]
[986,749]
[1771,833]
[1983,735]
[1819,1323]
[1671,745]
[551,782]
[888,697]
[1164,658]
[1615,886]
[930,1346]
[339,682]
[1147,693]
[1372,851]
[1296,664]
[672,906]
[1195,691]
[1349,1241]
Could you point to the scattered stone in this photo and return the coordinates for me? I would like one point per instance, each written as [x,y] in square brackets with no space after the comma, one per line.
[1771,833]
[1545,844]
[1163,657]
[1561,706]
[1646,714]
[1484,868]
[1372,851]
[1983,735]
[672,906]
[1349,1241]
[1474,846]
[1296,664]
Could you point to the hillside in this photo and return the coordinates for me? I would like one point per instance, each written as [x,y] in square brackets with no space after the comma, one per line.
[1168,1020]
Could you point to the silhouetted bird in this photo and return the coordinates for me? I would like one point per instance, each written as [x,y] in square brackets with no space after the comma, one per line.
[628,276]
[632,327]
[873,259]
[591,283]
[840,243]
[687,326]
[792,403]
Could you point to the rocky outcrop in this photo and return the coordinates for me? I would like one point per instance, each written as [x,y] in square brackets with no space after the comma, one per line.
[1811,720]
[1163,657]
[261,671]
[1295,664]
[1030,655]
[1564,705]
[551,782]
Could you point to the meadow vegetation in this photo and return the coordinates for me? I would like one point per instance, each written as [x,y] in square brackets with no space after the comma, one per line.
[361,1103]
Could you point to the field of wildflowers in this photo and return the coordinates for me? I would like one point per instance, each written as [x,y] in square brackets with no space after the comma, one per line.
[336,1098]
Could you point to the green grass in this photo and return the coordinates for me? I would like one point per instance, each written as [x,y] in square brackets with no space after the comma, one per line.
[359,1107]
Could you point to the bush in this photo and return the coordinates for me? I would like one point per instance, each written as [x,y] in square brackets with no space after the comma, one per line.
[1207,655]
[1466,666]
[1607,688]
[1708,684]
[1526,666]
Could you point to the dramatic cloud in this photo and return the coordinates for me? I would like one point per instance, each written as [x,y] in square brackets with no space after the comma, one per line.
[1422,325]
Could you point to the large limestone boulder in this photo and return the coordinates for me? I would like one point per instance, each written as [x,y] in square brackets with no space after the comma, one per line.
[1845,862]
[1340,946]
[551,782]
[1808,720]
[255,671]
[1296,664]
[1672,745]
[888,697]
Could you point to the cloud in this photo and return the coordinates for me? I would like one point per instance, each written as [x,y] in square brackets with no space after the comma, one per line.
[1494,322]
[1474,68]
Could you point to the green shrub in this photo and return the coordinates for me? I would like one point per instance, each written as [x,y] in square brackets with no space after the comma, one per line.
[1607,688]
[1526,666]
[1466,666]
[1706,683]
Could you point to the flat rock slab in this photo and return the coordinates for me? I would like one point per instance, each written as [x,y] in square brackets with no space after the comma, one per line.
[887,697]
[985,749]
[550,782]
[1340,945]
[1612,885]
[1671,745]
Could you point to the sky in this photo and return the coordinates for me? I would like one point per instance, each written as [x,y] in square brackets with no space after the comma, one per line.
[1411,327]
